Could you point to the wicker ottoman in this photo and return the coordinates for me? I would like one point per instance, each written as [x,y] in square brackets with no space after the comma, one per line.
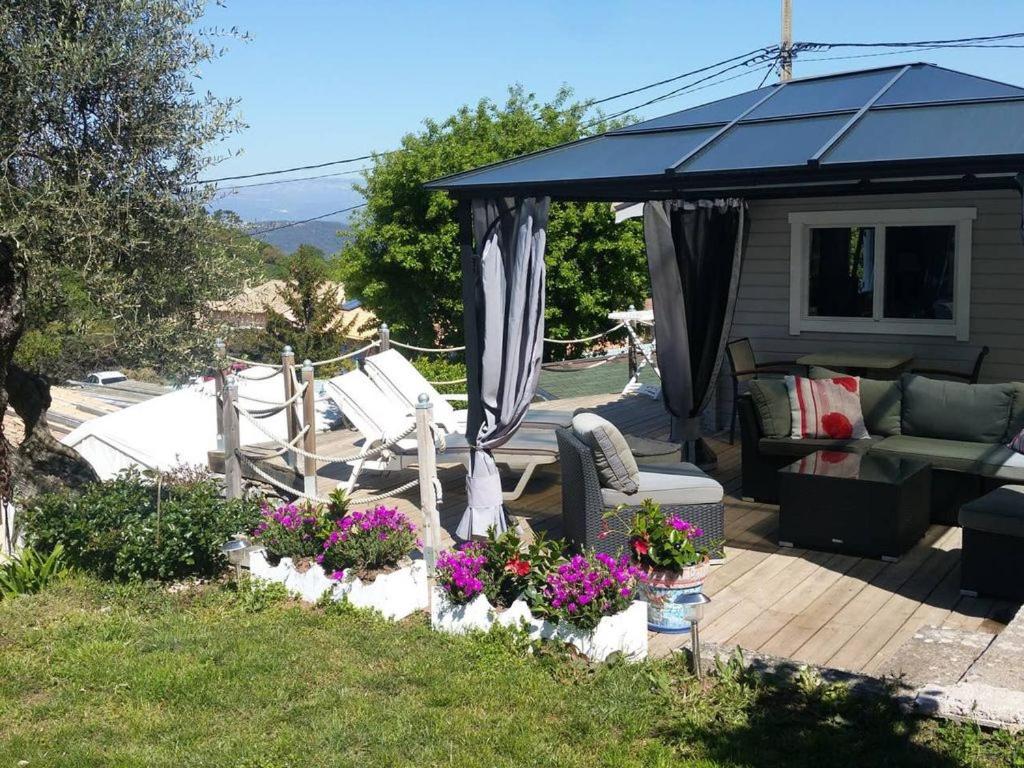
[993,545]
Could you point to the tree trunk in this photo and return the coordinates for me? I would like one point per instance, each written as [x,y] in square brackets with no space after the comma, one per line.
[40,463]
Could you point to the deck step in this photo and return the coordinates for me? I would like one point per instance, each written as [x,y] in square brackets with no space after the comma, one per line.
[936,656]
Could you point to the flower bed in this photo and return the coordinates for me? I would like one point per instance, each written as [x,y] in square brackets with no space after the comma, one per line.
[363,556]
[588,602]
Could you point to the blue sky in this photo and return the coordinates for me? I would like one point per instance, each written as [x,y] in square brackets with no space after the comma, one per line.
[328,79]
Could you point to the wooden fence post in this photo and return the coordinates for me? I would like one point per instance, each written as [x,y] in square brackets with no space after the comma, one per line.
[220,356]
[290,420]
[309,423]
[232,442]
[426,456]
[384,334]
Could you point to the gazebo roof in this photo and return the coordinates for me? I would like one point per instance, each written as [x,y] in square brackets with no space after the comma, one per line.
[913,126]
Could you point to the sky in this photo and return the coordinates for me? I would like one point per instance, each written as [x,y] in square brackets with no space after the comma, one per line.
[322,80]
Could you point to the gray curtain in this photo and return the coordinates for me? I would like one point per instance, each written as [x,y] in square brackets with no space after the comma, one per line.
[695,253]
[503,291]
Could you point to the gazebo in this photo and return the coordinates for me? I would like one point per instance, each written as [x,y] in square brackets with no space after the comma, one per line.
[905,130]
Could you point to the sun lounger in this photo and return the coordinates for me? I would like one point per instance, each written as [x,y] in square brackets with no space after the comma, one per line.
[397,377]
[379,418]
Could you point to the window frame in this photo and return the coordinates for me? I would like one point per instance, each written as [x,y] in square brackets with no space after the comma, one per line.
[801,223]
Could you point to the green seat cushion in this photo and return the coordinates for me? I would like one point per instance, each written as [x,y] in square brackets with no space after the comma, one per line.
[985,459]
[771,402]
[787,446]
[952,410]
[1000,511]
[880,401]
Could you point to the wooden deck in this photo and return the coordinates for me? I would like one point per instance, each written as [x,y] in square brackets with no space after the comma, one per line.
[814,607]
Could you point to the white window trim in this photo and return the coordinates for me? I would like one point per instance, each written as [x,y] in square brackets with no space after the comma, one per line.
[800,224]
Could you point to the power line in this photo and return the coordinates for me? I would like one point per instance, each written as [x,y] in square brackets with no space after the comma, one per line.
[306,221]
[297,178]
[296,168]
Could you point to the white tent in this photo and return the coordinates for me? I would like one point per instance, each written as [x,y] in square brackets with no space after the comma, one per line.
[181,426]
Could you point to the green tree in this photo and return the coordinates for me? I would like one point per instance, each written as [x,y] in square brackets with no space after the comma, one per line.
[402,258]
[312,324]
[103,137]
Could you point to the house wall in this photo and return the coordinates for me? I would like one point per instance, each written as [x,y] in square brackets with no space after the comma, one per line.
[997,289]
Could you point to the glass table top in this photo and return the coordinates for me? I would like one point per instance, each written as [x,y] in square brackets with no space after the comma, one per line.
[854,466]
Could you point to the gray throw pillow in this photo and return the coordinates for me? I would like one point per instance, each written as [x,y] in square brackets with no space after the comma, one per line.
[771,401]
[952,410]
[1016,411]
[615,463]
[880,401]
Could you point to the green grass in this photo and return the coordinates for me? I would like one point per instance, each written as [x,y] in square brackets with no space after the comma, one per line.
[93,674]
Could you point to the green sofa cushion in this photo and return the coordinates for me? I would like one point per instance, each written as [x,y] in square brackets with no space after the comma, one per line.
[880,401]
[771,401]
[1000,511]
[985,459]
[976,413]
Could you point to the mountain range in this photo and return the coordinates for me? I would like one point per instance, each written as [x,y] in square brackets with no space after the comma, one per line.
[328,236]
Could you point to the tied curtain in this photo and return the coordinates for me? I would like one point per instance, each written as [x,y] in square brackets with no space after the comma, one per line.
[694,253]
[503,295]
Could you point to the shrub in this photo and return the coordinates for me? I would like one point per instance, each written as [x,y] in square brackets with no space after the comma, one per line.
[434,368]
[588,588]
[367,541]
[30,572]
[134,527]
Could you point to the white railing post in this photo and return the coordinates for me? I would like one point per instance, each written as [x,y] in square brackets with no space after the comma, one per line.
[232,441]
[220,354]
[384,334]
[291,422]
[426,456]
[309,423]
[632,344]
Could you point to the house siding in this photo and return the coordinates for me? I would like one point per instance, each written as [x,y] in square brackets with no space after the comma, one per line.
[997,289]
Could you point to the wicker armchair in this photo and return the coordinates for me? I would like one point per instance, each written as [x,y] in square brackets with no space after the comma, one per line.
[583,506]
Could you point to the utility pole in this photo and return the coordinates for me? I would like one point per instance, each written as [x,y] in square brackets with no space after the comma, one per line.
[786,45]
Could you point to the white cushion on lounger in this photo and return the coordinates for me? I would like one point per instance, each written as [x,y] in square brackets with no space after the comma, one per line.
[668,484]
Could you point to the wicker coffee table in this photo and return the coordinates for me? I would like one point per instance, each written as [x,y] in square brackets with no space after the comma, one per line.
[870,506]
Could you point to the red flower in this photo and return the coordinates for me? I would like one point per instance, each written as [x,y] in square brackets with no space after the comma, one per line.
[640,546]
[836,425]
[849,383]
[517,566]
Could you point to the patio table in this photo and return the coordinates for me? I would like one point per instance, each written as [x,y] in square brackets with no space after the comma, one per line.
[886,365]
[865,505]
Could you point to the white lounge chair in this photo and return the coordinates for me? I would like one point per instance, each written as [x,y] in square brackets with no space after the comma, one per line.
[380,418]
[397,377]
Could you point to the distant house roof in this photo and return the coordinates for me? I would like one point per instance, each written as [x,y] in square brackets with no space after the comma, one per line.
[249,308]
[914,122]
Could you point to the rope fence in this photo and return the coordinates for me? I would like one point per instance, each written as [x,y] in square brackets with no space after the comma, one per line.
[347,355]
[426,350]
[585,339]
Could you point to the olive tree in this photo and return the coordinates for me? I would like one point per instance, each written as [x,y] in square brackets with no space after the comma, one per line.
[103,136]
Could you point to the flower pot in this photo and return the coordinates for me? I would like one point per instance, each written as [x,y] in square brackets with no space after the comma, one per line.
[309,584]
[397,594]
[476,615]
[625,633]
[667,594]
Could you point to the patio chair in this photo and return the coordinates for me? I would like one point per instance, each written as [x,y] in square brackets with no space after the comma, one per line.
[397,377]
[679,488]
[380,418]
[970,377]
[745,367]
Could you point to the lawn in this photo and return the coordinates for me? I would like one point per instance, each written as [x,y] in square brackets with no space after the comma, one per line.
[96,674]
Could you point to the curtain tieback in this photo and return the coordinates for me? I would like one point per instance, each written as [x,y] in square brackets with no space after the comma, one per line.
[485,491]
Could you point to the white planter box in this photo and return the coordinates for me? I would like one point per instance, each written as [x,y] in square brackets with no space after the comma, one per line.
[625,632]
[396,595]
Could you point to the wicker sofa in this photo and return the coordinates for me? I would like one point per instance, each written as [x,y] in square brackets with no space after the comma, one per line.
[960,430]
[585,502]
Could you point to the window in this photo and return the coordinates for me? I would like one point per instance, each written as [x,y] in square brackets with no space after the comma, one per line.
[886,271]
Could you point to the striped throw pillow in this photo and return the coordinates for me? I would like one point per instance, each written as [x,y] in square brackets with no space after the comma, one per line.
[826,408]
[1017,444]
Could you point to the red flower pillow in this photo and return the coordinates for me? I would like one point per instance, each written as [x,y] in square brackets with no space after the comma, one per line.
[826,408]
